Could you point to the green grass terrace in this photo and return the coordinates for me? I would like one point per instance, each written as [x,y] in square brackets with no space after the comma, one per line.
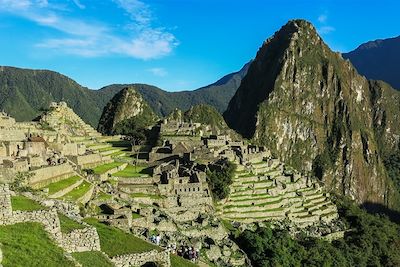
[106,167]
[78,192]
[28,244]
[58,186]
[132,171]
[115,242]
[25,204]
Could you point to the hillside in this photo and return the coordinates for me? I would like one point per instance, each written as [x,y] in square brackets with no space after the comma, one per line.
[24,93]
[126,104]
[163,103]
[378,60]
[316,113]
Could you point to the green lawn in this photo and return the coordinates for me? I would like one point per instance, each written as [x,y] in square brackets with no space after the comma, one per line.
[114,241]
[67,224]
[28,244]
[131,171]
[177,261]
[57,186]
[25,204]
[78,192]
[92,259]
[106,167]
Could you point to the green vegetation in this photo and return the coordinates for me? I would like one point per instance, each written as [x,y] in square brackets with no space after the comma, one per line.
[220,180]
[131,171]
[392,164]
[26,244]
[205,114]
[78,192]
[92,259]
[106,167]
[177,261]
[373,241]
[67,225]
[57,186]
[25,204]
[114,241]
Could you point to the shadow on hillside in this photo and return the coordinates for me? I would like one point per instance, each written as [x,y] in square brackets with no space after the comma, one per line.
[376,208]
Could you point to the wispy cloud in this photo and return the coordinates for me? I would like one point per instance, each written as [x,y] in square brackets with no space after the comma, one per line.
[79,4]
[324,27]
[161,72]
[322,18]
[92,39]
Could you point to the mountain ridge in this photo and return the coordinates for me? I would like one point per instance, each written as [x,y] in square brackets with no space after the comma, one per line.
[316,113]
[378,60]
[25,92]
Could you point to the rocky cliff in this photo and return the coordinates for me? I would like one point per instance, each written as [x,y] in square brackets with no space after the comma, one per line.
[315,112]
[126,104]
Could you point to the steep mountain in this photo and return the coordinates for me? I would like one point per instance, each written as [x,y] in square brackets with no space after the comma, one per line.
[379,60]
[126,104]
[24,93]
[315,112]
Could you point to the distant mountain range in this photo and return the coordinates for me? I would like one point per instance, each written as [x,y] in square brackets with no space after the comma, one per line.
[25,92]
[378,60]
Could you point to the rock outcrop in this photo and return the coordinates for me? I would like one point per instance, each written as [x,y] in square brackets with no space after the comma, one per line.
[317,114]
[126,104]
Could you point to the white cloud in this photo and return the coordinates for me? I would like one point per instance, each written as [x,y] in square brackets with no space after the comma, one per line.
[79,4]
[322,18]
[158,72]
[138,11]
[326,29]
[92,39]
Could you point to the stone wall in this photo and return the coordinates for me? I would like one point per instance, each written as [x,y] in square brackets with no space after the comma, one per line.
[78,240]
[12,135]
[5,202]
[160,257]
[44,176]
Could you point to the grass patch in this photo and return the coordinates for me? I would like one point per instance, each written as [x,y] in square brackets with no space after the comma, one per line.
[131,171]
[78,192]
[57,186]
[67,224]
[25,204]
[177,261]
[106,167]
[92,259]
[136,216]
[103,196]
[28,244]
[114,241]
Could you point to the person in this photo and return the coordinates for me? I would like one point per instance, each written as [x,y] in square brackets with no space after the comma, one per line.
[158,239]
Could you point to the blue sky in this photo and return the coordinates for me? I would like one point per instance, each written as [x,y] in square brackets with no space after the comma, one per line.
[173,44]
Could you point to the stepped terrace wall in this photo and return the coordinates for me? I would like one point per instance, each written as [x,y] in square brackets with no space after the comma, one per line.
[44,176]
[139,259]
